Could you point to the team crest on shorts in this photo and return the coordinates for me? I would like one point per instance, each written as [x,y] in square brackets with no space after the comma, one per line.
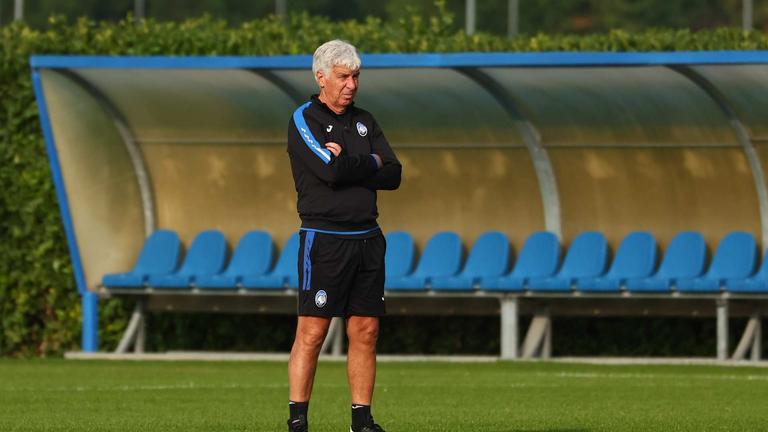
[361,129]
[321,298]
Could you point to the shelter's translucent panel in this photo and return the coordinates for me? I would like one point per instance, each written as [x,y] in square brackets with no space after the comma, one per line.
[426,107]
[194,106]
[100,183]
[301,81]
[237,188]
[636,148]
[631,148]
[234,188]
[615,106]
[744,88]
[469,191]
[663,190]
[214,145]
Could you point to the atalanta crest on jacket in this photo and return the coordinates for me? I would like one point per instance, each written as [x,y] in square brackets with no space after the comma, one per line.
[361,129]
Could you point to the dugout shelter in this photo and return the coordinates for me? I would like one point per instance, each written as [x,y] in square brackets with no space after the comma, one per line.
[510,142]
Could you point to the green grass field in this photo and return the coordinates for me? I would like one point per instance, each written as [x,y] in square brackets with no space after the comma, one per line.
[48,395]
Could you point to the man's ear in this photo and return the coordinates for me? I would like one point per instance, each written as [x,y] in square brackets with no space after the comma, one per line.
[320,78]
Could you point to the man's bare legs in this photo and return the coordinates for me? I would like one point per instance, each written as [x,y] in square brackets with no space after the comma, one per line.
[362,333]
[361,357]
[310,334]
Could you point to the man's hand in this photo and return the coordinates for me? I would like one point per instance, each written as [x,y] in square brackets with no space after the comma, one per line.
[334,148]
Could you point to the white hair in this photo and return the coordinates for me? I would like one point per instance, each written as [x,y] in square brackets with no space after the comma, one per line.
[334,53]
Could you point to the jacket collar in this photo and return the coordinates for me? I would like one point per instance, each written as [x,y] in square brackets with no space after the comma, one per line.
[316,101]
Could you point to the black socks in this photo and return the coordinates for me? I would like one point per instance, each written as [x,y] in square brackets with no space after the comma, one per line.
[298,409]
[361,416]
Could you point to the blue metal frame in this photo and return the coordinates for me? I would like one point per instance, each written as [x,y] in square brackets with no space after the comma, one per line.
[429,60]
[426,60]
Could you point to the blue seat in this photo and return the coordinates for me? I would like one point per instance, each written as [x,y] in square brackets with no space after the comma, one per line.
[206,256]
[285,273]
[635,258]
[441,257]
[159,255]
[538,258]
[489,258]
[586,257]
[684,258]
[400,253]
[252,256]
[735,258]
[758,283]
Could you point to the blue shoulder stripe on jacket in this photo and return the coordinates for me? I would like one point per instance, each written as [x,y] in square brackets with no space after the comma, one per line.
[306,134]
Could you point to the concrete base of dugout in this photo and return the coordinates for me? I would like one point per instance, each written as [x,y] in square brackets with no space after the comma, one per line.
[537,343]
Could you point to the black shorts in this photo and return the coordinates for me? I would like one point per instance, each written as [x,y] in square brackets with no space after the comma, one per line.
[341,277]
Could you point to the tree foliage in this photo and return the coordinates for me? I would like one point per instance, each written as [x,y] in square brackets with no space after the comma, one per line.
[535,16]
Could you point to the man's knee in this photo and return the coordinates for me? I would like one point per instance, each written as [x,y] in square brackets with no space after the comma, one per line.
[363,330]
[311,334]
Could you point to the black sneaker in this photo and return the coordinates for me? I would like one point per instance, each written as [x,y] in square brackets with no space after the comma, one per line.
[373,427]
[298,425]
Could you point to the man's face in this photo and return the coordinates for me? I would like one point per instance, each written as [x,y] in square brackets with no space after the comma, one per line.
[340,87]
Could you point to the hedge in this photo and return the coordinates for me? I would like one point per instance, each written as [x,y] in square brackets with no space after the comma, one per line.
[39,304]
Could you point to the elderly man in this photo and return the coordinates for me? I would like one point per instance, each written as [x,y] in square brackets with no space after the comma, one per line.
[339,159]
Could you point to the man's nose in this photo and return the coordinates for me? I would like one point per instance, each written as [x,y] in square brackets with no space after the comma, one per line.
[351,83]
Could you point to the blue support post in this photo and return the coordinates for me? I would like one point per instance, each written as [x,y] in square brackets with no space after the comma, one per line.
[90,314]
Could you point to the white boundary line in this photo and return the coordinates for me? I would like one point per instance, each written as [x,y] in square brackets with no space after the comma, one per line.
[283,357]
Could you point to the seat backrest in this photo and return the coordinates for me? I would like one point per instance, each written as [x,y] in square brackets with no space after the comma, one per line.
[206,255]
[400,251]
[253,254]
[286,263]
[442,255]
[160,253]
[636,256]
[736,256]
[685,256]
[539,256]
[586,257]
[489,256]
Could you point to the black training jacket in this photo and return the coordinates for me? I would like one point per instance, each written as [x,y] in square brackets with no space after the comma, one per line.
[338,194]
